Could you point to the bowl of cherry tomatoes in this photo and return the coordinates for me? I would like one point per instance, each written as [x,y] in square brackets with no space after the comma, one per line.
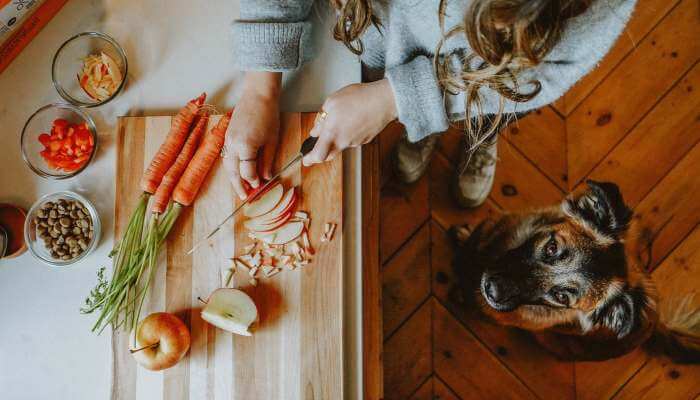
[59,141]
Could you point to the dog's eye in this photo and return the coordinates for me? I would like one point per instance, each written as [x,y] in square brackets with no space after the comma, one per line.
[561,297]
[551,249]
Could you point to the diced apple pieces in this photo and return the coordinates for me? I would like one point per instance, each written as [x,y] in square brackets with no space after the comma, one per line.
[265,203]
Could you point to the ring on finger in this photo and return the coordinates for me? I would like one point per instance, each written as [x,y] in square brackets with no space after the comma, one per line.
[320,117]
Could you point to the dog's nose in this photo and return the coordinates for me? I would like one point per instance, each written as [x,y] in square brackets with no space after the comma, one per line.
[495,290]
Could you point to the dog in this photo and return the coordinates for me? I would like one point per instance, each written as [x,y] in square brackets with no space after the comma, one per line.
[570,274]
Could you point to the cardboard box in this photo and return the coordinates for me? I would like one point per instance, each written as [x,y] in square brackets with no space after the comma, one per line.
[20,22]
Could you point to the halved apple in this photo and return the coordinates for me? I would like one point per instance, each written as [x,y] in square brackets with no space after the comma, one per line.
[284,234]
[265,203]
[231,310]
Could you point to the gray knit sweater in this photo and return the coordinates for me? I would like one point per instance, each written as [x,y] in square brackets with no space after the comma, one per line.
[274,35]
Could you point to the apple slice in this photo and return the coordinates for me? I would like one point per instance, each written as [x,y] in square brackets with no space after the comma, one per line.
[288,201]
[265,203]
[231,310]
[284,234]
[267,226]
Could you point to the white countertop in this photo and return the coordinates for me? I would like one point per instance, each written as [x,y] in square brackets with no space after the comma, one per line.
[176,49]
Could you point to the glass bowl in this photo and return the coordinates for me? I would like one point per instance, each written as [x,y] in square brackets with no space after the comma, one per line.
[68,62]
[41,122]
[36,244]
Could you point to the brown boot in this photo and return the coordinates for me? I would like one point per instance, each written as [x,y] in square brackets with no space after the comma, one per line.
[411,160]
[474,175]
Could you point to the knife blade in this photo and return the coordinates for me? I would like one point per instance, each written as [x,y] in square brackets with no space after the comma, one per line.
[306,147]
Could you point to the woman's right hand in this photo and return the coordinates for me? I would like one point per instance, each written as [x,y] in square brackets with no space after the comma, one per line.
[253,133]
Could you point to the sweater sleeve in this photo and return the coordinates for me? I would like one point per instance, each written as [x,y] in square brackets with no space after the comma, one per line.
[419,99]
[584,43]
[272,35]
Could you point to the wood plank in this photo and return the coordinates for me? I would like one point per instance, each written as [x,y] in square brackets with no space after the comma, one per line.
[262,377]
[541,137]
[645,16]
[467,366]
[127,194]
[425,391]
[602,379]
[403,209]
[322,285]
[518,184]
[672,209]
[654,146]
[178,299]
[372,340]
[406,280]
[679,274]
[661,379]
[444,209]
[614,107]
[442,392]
[387,140]
[514,348]
[407,355]
[211,351]
[676,278]
[150,384]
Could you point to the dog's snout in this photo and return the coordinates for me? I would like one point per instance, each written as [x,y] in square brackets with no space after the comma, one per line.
[495,290]
[499,292]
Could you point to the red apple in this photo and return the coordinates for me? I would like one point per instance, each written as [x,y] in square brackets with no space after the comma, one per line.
[161,340]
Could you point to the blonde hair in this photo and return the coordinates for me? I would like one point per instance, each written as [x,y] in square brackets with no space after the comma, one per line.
[505,36]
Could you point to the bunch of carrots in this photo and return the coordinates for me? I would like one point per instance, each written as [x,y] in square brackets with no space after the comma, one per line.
[172,180]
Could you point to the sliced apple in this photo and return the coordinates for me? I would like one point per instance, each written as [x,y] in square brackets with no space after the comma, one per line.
[231,310]
[285,204]
[265,203]
[284,234]
[267,226]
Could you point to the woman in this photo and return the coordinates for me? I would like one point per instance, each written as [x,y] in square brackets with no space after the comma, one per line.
[497,59]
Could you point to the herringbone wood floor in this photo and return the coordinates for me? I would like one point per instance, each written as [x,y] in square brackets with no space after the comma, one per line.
[635,120]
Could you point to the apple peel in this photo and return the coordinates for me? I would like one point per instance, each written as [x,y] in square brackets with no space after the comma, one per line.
[266,202]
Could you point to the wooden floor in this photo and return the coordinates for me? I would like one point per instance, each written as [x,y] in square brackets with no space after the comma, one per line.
[635,121]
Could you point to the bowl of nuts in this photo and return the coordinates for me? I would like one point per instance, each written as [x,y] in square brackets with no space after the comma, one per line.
[62,228]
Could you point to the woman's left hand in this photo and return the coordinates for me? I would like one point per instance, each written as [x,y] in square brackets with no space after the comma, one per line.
[354,115]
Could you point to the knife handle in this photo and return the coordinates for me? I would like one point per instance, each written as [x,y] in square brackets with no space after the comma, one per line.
[308,145]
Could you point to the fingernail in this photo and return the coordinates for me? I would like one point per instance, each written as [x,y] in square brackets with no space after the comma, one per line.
[241,196]
[255,184]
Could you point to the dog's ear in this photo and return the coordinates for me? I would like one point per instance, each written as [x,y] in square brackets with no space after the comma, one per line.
[600,206]
[620,314]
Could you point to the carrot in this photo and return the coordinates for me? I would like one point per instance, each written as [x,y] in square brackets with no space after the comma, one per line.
[165,189]
[170,148]
[198,168]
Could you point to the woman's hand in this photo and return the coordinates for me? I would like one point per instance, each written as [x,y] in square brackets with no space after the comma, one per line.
[354,115]
[253,134]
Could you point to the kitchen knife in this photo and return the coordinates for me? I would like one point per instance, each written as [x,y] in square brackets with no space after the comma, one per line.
[306,147]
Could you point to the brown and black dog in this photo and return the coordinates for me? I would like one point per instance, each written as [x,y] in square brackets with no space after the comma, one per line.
[570,274]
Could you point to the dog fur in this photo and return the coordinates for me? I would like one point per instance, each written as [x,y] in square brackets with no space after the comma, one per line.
[571,275]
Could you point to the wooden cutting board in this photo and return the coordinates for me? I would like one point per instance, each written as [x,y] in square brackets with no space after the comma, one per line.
[296,351]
